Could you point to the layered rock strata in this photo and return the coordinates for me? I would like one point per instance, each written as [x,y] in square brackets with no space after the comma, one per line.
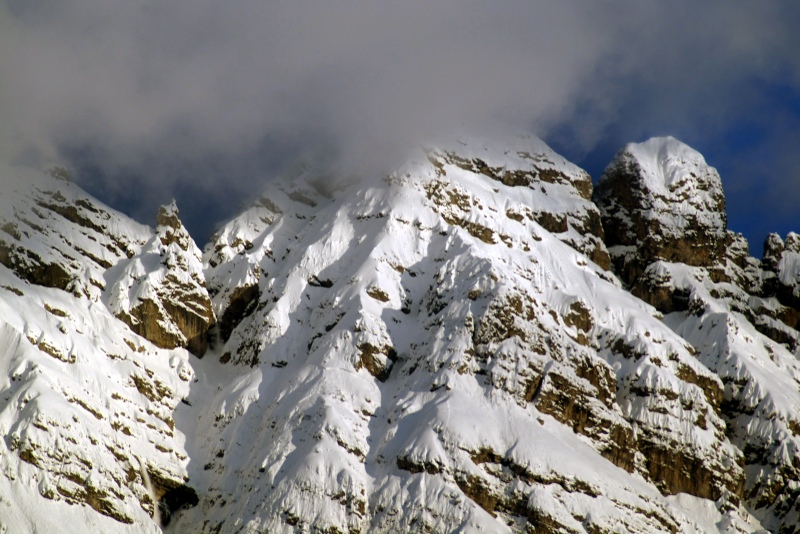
[439,349]
[739,314]
[160,293]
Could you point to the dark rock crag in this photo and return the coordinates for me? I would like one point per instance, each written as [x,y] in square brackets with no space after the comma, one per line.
[664,218]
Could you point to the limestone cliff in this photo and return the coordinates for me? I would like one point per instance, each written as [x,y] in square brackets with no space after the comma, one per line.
[444,347]
[160,293]
[663,211]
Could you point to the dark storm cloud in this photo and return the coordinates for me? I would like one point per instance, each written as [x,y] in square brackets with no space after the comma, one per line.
[207,98]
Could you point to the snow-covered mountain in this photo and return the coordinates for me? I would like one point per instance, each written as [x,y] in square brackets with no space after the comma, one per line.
[475,341]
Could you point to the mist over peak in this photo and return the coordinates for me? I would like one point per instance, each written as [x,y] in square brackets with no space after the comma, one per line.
[146,100]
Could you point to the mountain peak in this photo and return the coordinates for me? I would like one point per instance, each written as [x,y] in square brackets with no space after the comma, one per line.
[549,189]
[161,291]
[665,163]
[443,348]
[515,159]
[660,200]
[168,215]
[55,234]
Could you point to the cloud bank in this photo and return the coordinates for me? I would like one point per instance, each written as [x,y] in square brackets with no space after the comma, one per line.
[204,100]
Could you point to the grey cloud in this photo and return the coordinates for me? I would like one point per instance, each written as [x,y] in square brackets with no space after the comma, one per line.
[130,77]
[170,96]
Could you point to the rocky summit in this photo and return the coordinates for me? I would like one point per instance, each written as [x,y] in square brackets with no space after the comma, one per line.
[477,341]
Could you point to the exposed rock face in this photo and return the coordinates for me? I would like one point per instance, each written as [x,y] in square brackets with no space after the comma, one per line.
[161,292]
[665,224]
[659,200]
[760,401]
[782,265]
[440,349]
[234,286]
[87,407]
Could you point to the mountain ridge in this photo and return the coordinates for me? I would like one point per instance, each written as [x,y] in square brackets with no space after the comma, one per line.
[445,347]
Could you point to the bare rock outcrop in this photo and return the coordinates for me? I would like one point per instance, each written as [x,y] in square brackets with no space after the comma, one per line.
[659,200]
[663,212]
[161,292]
[782,269]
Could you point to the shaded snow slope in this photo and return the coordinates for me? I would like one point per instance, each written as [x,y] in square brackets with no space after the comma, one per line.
[86,413]
[761,398]
[761,404]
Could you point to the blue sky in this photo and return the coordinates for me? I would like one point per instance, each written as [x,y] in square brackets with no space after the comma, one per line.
[205,101]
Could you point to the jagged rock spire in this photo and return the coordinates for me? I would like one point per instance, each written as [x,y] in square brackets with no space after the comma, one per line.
[162,293]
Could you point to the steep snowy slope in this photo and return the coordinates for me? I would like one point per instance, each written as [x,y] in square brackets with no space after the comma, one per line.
[418,353]
[723,304]
[55,235]
[443,348]
[86,405]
